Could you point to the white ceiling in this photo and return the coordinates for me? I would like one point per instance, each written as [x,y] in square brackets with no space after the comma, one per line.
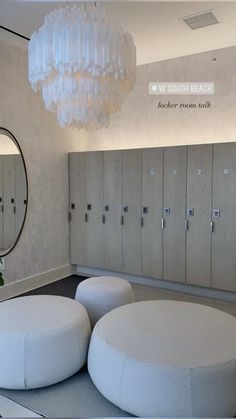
[158,32]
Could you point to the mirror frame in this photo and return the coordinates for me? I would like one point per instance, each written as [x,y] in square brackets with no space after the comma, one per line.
[9,134]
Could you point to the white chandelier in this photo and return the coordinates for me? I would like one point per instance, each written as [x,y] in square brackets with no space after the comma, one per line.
[83,63]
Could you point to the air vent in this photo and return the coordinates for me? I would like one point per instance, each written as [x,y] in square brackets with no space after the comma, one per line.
[200,20]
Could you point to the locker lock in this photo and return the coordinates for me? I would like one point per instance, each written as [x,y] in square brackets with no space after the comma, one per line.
[166,210]
[190,212]
[107,208]
[145,210]
[89,207]
[125,208]
[72,206]
[216,213]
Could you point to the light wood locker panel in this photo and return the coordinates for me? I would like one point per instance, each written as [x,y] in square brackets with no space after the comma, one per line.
[224,235]
[77,162]
[94,198]
[1,203]
[131,207]
[152,183]
[112,211]
[174,200]
[21,192]
[198,237]
[9,201]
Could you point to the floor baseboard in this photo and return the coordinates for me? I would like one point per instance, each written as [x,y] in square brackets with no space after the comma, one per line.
[11,409]
[158,283]
[35,281]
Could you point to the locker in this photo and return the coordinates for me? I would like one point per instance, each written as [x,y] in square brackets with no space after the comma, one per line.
[1,203]
[78,247]
[131,211]
[94,210]
[21,192]
[152,182]
[198,213]
[9,201]
[112,211]
[223,217]
[174,203]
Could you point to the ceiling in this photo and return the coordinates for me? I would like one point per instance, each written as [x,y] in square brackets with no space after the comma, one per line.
[158,32]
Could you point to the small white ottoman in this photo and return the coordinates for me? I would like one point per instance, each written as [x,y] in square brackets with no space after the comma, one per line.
[102,294]
[166,358]
[43,340]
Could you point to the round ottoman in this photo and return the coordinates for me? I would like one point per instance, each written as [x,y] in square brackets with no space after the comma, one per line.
[43,340]
[166,358]
[102,294]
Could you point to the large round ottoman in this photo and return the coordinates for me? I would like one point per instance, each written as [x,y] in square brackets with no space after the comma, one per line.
[43,340]
[166,358]
[99,295]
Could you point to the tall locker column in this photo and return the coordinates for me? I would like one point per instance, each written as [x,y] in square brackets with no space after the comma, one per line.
[1,204]
[112,211]
[174,214]
[78,209]
[131,211]
[152,182]
[21,192]
[94,210]
[198,213]
[223,217]
[9,201]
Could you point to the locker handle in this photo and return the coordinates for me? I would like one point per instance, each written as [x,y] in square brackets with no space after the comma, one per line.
[141,221]
[2,208]
[163,223]
[14,209]
[103,218]
[186,225]
[212,226]
[86,217]
[122,220]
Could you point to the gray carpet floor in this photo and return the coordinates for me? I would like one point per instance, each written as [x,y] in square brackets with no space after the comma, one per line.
[74,397]
[77,396]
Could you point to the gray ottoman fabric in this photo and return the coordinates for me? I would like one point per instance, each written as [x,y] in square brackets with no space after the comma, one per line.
[101,294]
[43,340]
[166,358]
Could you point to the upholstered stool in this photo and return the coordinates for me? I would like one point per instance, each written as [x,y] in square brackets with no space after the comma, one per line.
[43,340]
[166,358]
[100,295]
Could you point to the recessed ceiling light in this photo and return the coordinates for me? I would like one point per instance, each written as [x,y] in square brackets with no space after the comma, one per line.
[200,20]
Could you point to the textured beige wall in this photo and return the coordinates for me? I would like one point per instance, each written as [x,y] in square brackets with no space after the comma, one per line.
[44,243]
[141,124]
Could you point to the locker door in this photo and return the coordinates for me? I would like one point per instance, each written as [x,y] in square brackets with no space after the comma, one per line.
[131,203]
[9,201]
[174,214]
[1,203]
[224,210]
[21,192]
[77,162]
[94,202]
[112,211]
[152,182]
[198,246]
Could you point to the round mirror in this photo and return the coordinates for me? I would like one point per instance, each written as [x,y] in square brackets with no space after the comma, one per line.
[13,191]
